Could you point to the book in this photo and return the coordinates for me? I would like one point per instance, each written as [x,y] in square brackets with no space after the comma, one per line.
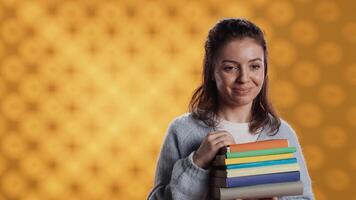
[259,191]
[258,145]
[256,170]
[262,163]
[262,152]
[256,179]
[230,161]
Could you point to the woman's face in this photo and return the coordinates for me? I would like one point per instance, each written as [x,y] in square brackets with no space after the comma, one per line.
[239,72]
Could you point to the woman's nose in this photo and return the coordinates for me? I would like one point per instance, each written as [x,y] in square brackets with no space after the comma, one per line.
[243,76]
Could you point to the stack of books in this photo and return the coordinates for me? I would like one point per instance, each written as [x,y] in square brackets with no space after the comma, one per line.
[258,169]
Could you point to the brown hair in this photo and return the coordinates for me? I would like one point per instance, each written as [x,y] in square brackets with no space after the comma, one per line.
[204,102]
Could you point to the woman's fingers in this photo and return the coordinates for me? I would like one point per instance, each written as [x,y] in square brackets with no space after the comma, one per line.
[209,147]
[220,139]
[224,138]
[213,135]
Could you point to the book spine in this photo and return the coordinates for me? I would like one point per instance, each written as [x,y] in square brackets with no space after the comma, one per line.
[263,152]
[259,145]
[263,170]
[257,158]
[262,163]
[261,191]
[257,179]
[233,161]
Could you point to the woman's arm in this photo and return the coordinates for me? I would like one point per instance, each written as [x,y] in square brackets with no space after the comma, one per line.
[304,175]
[176,177]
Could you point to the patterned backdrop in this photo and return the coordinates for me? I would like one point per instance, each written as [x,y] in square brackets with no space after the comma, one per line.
[88,87]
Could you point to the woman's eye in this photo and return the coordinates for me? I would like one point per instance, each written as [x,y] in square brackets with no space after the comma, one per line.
[228,68]
[255,67]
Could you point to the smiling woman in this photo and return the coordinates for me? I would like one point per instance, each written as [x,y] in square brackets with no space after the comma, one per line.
[236,59]
[230,106]
[239,72]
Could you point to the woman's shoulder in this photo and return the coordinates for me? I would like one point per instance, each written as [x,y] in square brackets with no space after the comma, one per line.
[186,130]
[285,125]
[181,120]
[286,130]
[186,120]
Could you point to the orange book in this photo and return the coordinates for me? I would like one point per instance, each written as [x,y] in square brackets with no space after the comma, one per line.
[258,145]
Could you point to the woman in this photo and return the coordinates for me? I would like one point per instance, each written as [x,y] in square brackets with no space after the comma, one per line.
[231,106]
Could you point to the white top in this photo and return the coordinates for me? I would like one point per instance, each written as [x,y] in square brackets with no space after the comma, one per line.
[239,131]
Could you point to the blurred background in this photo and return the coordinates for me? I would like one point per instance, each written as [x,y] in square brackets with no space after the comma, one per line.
[88,88]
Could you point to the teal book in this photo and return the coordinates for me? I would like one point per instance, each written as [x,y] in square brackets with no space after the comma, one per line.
[263,163]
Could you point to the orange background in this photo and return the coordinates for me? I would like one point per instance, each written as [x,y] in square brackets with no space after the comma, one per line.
[88,88]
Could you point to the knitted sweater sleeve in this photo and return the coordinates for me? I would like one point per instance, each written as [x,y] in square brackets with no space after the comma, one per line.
[304,175]
[177,177]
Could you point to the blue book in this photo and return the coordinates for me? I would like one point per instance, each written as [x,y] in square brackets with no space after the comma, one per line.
[256,179]
[262,163]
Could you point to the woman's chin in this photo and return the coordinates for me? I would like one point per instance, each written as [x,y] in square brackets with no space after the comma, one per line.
[241,101]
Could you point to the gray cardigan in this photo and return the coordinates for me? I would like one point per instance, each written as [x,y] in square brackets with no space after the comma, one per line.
[178,178]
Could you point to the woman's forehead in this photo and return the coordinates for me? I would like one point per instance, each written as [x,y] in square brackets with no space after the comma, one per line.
[241,50]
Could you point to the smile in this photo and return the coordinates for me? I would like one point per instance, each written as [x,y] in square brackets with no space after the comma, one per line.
[241,91]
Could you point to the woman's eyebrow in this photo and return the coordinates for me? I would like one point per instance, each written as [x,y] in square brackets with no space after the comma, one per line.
[235,62]
[255,59]
[231,61]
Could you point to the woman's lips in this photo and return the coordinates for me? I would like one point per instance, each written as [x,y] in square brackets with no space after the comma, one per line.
[240,91]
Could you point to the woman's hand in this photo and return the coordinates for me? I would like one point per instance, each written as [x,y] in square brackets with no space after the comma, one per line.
[210,146]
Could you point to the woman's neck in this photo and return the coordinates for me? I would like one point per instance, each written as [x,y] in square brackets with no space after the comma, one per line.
[240,114]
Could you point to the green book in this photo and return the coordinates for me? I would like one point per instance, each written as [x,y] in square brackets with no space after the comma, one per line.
[262,152]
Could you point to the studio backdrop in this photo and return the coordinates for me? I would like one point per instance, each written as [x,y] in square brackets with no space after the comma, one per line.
[88,88]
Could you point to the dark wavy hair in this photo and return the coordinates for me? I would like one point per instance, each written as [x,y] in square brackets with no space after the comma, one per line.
[204,103]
